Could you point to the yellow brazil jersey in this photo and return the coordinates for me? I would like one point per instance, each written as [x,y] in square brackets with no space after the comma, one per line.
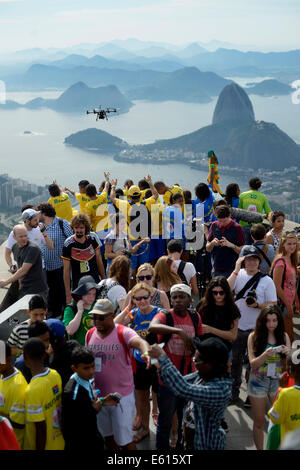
[83,200]
[286,410]
[43,403]
[12,401]
[97,210]
[62,206]
[125,208]
[174,190]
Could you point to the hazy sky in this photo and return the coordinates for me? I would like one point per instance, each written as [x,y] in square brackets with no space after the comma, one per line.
[269,24]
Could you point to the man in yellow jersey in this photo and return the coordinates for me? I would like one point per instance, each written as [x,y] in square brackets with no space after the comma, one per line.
[60,201]
[97,210]
[138,215]
[12,395]
[42,401]
[81,196]
[167,191]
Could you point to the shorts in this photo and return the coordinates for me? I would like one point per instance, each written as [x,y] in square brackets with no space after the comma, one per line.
[136,259]
[261,388]
[145,378]
[117,420]
[157,248]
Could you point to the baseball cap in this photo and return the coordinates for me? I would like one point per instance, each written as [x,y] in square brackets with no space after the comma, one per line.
[102,307]
[85,284]
[57,328]
[181,288]
[29,213]
[134,191]
[251,251]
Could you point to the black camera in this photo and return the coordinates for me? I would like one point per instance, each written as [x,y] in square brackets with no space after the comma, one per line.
[127,253]
[251,297]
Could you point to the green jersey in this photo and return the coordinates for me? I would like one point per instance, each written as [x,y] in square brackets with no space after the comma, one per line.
[254,201]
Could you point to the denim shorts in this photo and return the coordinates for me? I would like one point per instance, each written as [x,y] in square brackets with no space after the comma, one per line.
[261,388]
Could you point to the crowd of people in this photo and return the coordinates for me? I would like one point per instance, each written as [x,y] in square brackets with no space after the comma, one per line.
[137,312]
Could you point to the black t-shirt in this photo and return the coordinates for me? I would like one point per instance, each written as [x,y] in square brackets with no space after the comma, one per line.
[82,257]
[61,360]
[33,282]
[219,318]
[79,420]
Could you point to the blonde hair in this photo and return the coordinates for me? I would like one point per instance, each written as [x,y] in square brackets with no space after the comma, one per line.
[144,267]
[281,251]
[140,286]
[163,273]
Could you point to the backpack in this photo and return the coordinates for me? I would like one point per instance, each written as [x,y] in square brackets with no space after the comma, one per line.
[61,226]
[180,272]
[120,333]
[263,253]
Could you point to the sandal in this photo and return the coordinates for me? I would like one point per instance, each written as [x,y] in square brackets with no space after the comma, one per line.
[141,435]
[155,418]
[137,423]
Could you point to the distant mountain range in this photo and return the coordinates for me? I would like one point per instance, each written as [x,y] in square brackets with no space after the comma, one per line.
[268,88]
[235,136]
[78,98]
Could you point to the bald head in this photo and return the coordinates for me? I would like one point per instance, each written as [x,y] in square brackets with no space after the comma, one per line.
[20,234]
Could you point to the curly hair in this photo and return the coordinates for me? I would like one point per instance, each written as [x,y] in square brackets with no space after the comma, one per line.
[260,336]
[163,273]
[120,270]
[80,219]
[207,304]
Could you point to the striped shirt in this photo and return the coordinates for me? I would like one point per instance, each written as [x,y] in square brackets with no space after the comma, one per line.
[52,258]
[210,401]
[19,335]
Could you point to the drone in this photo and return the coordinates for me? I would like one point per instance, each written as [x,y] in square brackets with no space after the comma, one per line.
[102,113]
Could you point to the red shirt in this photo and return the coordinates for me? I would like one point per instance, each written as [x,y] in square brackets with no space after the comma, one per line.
[175,346]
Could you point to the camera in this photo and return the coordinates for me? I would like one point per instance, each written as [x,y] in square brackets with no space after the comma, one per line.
[278,349]
[251,297]
[127,253]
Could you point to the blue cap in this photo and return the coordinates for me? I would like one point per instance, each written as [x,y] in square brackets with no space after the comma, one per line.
[57,328]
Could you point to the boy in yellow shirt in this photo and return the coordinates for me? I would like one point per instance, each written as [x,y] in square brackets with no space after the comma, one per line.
[12,395]
[42,401]
[81,196]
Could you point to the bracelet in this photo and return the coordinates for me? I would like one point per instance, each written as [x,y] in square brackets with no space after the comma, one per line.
[45,235]
[150,183]
[235,273]
[146,353]
[102,401]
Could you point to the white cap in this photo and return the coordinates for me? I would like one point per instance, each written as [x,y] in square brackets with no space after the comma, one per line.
[181,288]
[29,213]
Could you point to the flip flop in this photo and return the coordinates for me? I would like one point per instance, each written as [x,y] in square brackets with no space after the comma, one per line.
[140,436]
[137,423]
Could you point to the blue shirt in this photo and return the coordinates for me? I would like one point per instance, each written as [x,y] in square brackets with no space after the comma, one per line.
[210,402]
[141,324]
[52,258]
[173,223]
[209,216]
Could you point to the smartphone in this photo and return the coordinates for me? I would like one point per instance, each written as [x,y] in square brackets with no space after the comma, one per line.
[116,396]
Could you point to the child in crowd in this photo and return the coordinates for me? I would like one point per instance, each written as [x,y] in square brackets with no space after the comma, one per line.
[12,395]
[286,409]
[37,310]
[42,401]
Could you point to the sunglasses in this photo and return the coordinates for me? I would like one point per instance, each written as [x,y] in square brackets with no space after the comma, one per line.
[218,292]
[142,297]
[147,276]
[100,317]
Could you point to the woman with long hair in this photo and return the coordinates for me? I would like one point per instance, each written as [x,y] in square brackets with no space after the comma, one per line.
[140,319]
[284,274]
[77,318]
[277,219]
[219,313]
[165,274]
[117,283]
[232,195]
[268,344]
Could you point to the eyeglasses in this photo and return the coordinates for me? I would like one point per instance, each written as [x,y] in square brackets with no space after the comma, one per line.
[142,297]
[218,292]
[147,276]
[100,317]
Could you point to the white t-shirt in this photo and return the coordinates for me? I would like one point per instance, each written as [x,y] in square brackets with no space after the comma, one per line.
[115,293]
[35,235]
[265,292]
[189,270]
